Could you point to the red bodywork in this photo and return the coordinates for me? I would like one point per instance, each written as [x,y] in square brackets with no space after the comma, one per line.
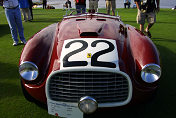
[134,49]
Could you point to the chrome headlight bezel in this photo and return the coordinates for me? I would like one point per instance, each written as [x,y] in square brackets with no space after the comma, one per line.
[87,105]
[28,71]
[150,73]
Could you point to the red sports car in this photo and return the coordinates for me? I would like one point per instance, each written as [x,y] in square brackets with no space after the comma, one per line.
[87,62]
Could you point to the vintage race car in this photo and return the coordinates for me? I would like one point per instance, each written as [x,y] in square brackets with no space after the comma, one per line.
[89,62]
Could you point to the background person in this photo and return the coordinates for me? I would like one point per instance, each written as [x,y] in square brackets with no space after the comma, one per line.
[67,5]
[127,3]
[147,10]
[1,2]
[13,15]
[24,5]
[93,4]
[30,7]
[111,5]
[80,6]
[44,4]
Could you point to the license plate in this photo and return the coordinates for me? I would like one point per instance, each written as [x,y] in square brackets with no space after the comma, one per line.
[64,109]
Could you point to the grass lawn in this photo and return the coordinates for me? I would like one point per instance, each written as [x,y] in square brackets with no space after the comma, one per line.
[13,103]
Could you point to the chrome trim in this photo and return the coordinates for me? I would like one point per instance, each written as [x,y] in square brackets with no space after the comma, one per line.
[28,62]
[113,104]
[147,65]
[95,14]
[87,98]
[151,79]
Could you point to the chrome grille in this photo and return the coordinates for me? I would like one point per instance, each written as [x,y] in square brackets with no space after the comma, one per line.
[105,87]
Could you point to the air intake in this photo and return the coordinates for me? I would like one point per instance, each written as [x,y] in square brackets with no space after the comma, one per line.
[105,87]
[89,34]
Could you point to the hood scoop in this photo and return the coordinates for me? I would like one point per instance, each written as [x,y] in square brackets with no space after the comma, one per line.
[89,34]
[90,30]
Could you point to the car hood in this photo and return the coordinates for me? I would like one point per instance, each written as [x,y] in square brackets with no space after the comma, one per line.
[89,42]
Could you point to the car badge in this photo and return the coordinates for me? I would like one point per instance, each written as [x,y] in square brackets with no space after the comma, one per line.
[89,55]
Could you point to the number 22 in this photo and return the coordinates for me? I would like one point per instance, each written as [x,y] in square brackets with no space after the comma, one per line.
[94,61]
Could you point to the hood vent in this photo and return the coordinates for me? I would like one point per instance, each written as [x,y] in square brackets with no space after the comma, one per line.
[94,34]
[91,30]
[80,19]
[89,34]
[98,19]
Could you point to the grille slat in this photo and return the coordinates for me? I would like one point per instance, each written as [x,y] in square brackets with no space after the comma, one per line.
[105,87]
[86,79]
[88,89]
[94,92]
[70,96]
[87,86]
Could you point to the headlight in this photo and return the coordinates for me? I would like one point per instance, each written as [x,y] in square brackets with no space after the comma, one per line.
[87,105]
[28,71]
[151,73]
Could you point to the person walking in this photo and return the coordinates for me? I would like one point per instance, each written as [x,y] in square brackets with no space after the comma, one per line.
[80,6]
[93,5]
[13,16]
[147,9]
[24,5]
[111,5]
[44,4]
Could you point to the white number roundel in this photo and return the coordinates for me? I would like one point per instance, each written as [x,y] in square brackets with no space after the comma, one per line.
[89,52]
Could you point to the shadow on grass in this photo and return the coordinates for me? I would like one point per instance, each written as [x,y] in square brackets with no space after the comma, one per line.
[4,29]
[8,71]
[9,81]
[8,89]
[171,23]
[164,40]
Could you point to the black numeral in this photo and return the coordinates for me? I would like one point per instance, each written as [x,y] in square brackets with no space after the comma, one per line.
[95,62]
[67,63]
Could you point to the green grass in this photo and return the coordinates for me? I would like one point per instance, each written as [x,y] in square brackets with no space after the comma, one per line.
[13,103]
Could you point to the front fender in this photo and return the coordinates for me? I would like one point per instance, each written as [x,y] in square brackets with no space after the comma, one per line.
[143,49]
[39,49]
[144,52]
